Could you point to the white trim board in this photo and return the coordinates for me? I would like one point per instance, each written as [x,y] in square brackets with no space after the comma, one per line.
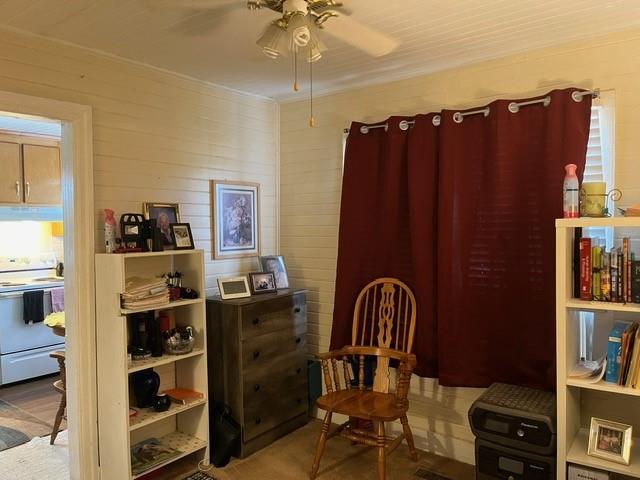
[77,199]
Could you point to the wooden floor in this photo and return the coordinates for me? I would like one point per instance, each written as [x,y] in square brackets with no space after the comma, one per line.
[290,459]
[36,397]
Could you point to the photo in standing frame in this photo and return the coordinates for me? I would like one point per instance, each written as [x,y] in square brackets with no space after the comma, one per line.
[610,440]
[181,235]
[164,214]
[275,264]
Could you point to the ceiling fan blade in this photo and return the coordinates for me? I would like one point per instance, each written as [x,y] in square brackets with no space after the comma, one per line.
[360,36]
[199,4]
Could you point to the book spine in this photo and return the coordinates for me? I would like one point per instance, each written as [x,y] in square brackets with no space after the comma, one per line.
[605,277]
[613,269]
[635,282]
[586,292]
[625,269]
[620,277]
[596,260]
[614,351]
[576,262]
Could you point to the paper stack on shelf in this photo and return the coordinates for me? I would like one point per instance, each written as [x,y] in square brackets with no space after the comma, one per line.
[590,371]
[144,293]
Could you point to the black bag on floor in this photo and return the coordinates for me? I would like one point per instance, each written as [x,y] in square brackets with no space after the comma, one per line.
[225,435]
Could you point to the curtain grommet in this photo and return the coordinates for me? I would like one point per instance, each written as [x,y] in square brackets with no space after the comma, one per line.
[457,117]
[436,120]
[364,129]
[547,101]
[514,107]
[404,125]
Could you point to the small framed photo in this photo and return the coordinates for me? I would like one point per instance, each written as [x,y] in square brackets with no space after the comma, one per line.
[181,236]
[262,282]
[275,264]
[164,214]
[610,440]
[236,287]
[236,213]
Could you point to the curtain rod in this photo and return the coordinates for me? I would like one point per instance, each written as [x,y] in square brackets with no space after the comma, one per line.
[458,117]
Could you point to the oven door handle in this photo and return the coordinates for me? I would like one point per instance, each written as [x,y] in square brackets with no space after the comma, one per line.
[18,294]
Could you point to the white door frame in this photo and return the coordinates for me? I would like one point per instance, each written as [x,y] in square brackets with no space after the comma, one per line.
[77,200]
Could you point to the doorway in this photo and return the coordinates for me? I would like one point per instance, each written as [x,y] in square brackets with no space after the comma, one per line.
[76,161]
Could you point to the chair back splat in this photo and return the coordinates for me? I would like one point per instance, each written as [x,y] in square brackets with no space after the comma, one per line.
[384,316]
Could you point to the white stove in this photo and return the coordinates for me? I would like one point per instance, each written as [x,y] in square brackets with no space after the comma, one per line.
[25,347]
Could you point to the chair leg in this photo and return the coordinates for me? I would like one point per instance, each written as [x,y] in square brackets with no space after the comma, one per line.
[58,420]
[321,444]
[409,437]
[381,440]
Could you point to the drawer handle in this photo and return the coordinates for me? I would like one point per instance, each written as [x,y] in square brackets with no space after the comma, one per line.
[258,420]
[299,370]
[298,340]
[256,387]
[256,321]
[297,310]
[256,354]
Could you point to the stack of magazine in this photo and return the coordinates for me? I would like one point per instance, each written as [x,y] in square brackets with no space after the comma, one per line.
[149,453]
[145,293]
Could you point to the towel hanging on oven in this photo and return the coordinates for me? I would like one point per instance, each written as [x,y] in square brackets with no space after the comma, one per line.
[33,306]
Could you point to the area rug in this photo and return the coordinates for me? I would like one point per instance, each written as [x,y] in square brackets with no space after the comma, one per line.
[18,427]
[423,473]
[37,460]
[199,476]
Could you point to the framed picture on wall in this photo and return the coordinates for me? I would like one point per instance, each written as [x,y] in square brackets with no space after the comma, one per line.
[164,214]
[236,212]
[610,440]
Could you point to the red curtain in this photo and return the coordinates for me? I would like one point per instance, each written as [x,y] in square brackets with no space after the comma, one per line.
[387,225]
[500,182]
[464,214]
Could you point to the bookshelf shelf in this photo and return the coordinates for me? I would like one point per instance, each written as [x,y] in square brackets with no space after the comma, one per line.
[187,444]
[585,222]
[174,304]
[153,362]
[147,416]
[603,386]
[602,306]
[578,454]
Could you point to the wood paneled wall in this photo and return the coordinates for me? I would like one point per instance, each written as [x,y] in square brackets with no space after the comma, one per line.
[157,136]
[311,171]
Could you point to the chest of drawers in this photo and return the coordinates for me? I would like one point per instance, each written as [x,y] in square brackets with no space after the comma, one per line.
[258,363]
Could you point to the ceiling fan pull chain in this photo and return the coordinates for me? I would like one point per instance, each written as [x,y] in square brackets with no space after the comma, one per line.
[296,87]
[312,120]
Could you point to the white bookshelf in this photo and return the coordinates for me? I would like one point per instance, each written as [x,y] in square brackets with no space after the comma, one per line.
[184,427]
[577,399]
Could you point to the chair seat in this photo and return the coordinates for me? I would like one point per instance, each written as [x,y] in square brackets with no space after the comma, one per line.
[362,404]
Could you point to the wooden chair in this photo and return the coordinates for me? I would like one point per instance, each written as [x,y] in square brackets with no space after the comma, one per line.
[383,327]
[60,386]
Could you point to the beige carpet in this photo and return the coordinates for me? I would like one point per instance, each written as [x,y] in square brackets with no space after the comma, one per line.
[18,427]
[37,460]
[290,458]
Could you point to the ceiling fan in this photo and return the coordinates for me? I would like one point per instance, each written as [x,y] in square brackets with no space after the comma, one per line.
[298,25]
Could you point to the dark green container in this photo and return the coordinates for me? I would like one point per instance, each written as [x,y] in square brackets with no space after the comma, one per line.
[314,371]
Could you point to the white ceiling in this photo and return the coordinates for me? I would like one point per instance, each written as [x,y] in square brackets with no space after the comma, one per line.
[218,45]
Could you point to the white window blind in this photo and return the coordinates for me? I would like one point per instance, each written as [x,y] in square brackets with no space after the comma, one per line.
[599,166]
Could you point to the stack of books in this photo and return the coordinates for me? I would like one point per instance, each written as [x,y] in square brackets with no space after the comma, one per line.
[612,276]
[623,355]
[144,293]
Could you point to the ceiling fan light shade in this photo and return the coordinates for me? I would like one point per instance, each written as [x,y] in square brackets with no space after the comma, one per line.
[274,41]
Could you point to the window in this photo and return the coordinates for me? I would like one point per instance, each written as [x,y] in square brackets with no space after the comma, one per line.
[600,161]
